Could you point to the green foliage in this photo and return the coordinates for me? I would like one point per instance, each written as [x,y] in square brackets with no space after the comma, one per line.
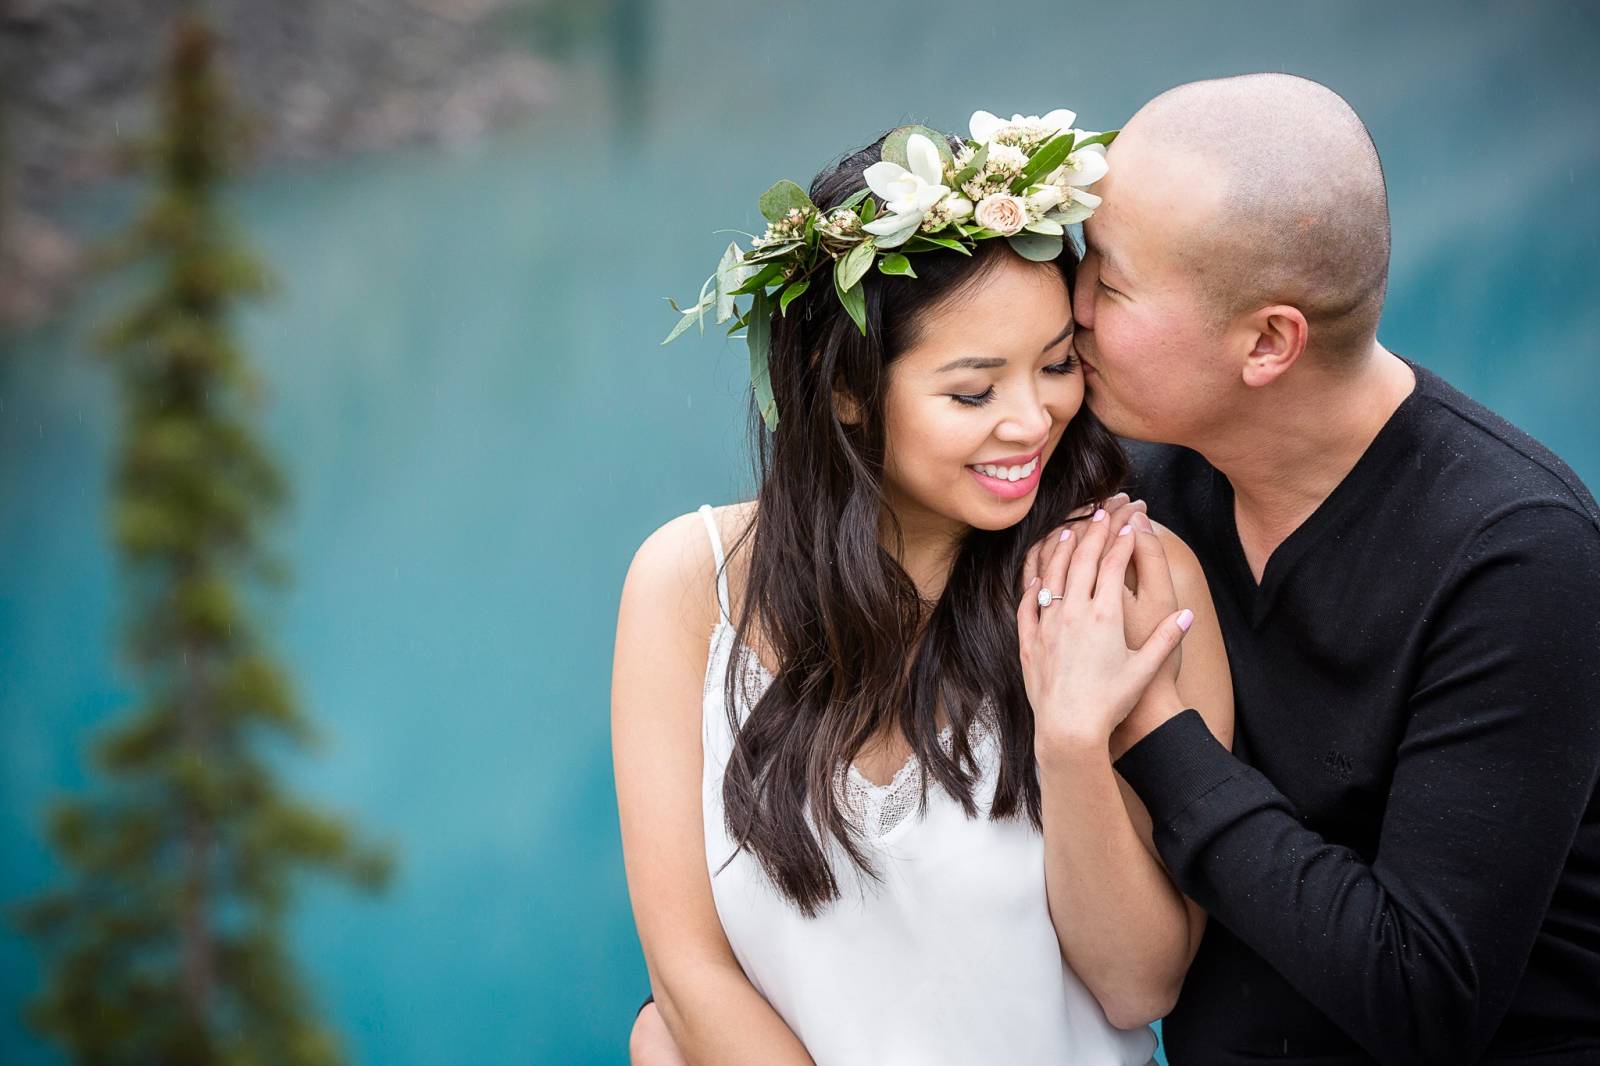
[164,941]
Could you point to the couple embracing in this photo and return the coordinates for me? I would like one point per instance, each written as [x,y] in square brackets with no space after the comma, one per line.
[1112,638]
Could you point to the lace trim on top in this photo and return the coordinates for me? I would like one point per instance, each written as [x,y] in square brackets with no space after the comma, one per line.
[874,810]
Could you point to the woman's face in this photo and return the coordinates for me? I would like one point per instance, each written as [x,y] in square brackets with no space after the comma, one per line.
[976,406]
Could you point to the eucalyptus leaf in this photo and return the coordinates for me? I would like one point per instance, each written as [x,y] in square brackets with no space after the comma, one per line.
[685,320]
[774,251]
[853,267]
[854,299]
[854,198]
[1053,153]
[759,338]
[731,274]
[1047,226]
[895,263]
[894,145]
[1039,247]
[791,294]
[783,197]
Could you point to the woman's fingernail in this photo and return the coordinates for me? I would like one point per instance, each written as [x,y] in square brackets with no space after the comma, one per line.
[1118,496]
[1185,619]
[1099,516]
[1065,533]
[1124,531]
[1033,582]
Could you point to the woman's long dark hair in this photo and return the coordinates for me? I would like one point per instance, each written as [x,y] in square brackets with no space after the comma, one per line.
[838,610]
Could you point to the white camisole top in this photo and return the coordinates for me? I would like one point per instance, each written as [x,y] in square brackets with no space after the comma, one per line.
[952,960]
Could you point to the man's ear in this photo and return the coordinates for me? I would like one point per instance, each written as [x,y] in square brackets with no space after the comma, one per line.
[1280,338]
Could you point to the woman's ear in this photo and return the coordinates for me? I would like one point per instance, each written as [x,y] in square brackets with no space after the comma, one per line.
[845,407]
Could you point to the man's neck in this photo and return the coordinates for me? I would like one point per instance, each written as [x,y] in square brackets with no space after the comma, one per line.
[1298,445]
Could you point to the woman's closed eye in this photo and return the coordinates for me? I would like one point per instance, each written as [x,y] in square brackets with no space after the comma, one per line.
[1066,366]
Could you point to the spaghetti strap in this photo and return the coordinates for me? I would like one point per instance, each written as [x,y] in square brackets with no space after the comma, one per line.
[716,552]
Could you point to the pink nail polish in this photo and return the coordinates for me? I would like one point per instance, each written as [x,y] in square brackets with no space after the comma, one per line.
[1124,531]
[1099,516]
[1065,533]
[1185,619]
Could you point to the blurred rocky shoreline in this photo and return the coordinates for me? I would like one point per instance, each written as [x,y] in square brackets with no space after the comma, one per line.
[314,78]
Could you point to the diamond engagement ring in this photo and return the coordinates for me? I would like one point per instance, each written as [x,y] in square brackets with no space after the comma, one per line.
[1045,597]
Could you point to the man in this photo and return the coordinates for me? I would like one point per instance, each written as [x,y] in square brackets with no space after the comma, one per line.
[1401,856]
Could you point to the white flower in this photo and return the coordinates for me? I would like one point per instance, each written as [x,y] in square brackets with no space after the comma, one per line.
[1078,205]
[1083,167]
[906,194]
[1041,198]
[1034,129]
[1002,212]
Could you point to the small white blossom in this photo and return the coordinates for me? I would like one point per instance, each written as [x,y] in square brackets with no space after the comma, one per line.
[906,194]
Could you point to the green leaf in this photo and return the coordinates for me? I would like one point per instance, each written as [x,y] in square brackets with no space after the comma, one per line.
[895,263]
[1039,247]
[1100,138]
[942,242]
[774,251]
[869,210]
[759,338]
[970,171]
[731,274]
[854,298]
[791,294]
[1052,154]
[854,198]
[768,274]
[853,267]
[783,197]
[894,145]
[687,319]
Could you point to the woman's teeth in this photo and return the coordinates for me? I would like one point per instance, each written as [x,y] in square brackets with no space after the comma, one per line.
[1008,473]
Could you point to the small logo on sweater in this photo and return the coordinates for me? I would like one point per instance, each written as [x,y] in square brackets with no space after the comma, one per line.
[1339,765]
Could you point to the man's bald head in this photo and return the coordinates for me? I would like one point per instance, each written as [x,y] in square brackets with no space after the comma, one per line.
[1303,216]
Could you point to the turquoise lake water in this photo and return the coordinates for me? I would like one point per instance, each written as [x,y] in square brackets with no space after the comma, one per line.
[467,392]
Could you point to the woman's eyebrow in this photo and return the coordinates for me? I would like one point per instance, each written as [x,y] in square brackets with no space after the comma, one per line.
[990,362]
[972,362]
[1063,335]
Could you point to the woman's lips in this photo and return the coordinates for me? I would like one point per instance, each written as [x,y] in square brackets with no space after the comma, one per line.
[1010,490]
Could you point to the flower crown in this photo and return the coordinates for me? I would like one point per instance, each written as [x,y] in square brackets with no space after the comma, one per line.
[1024,180]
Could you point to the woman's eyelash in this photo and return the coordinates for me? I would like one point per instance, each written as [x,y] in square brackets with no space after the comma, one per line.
[1066,366]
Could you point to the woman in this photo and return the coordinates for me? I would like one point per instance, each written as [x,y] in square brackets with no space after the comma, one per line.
[874,818]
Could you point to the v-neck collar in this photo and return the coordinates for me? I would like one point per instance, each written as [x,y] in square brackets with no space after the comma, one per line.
[1258,599]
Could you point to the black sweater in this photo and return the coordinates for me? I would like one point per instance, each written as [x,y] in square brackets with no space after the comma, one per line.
[1401,857]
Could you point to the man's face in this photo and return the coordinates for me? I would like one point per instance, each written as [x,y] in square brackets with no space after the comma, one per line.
[1156,364]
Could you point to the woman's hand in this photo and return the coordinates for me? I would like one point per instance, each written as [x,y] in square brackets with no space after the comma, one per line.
[1081,677]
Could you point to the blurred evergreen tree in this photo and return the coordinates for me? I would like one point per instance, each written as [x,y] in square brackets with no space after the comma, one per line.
[165,944]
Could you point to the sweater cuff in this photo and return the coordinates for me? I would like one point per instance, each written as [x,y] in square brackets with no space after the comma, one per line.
[1175,764]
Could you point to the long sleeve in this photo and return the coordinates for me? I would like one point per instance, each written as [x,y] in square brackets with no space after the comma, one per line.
[1417,955]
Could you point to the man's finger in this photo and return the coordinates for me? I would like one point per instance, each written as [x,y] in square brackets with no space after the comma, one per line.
[1108,584]
[1153,573]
